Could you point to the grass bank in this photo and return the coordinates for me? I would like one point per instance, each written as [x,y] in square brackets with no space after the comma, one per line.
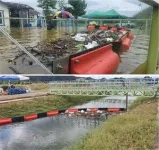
[134,130]
[44,104]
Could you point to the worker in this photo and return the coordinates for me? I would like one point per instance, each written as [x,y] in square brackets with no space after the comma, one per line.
[51,22]
[55,22]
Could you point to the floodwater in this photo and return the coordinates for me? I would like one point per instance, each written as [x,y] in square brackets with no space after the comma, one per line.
[54,133]
[136,55]
[130,60]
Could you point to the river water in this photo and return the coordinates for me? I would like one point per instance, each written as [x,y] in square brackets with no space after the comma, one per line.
[54,133]
[130,60]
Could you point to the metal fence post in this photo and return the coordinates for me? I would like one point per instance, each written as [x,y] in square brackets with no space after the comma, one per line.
[154,43]
[146,26]
[120,23]
[86,23]
[22,26]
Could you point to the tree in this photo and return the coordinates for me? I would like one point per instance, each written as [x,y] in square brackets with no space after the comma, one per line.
[77,8]
[62,4]
[144,14]
[47,5]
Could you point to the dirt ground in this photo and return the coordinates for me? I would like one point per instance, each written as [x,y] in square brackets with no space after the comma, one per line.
[9,98]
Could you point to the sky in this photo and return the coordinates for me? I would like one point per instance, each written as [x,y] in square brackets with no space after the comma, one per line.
[125,7]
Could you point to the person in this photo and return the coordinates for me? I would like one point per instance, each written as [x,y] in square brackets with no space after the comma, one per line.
[54,22]
[51,22]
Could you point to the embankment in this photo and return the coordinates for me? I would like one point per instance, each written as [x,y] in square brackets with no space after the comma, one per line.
[134,130]
[43,104]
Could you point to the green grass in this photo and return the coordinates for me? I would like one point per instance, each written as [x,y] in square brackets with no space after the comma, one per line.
[134,130]
[39,105]
[139,101]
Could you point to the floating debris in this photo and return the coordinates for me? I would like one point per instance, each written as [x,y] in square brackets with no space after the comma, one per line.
[48,51]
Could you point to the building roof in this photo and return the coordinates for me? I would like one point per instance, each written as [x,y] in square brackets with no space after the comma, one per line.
[17,5]
[33,12]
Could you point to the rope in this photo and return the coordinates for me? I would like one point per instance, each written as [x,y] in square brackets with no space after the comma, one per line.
[24,50]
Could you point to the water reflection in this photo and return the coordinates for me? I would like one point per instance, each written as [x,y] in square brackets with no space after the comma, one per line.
[109,102]
[48,133]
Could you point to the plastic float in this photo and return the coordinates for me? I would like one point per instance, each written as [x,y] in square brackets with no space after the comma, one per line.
[103,60]
[52,113]
[30,117]
[126,43]
[103,28]
[114,29]
[91,28]
[7,121]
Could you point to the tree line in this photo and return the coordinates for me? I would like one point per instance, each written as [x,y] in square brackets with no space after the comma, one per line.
[76,7]
[144,14]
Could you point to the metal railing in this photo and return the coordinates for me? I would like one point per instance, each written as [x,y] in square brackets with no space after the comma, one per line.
[104,88]
[73,23]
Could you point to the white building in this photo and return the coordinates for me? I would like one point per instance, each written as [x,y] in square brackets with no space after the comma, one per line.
[4,12]
[10,10]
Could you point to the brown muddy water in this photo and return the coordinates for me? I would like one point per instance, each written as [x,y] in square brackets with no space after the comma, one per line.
[130,60]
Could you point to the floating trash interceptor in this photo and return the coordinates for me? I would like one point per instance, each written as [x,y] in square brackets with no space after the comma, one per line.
[88,52]
[100,54]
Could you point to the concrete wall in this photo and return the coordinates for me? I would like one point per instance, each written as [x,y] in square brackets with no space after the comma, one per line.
[5,10]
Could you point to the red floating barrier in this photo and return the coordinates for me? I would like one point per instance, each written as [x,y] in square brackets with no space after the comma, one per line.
[113,109]
[30,117]
[5,121]
[131,36]
[103,28]
[114,29]
[123,29]
[93,109]
[91,28]
[52,113]
[126,43]
[72,110]
[100,61]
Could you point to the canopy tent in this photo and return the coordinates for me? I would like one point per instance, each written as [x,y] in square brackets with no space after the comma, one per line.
[95,14]
[111,14]
[13,78]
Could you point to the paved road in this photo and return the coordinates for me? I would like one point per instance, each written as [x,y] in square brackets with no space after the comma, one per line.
[11,98]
